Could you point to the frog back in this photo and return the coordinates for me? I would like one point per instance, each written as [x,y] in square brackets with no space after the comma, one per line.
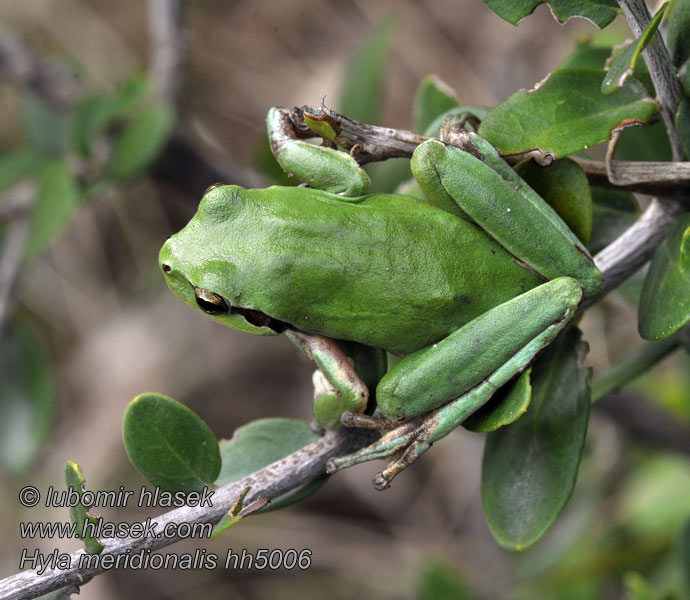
[389,271]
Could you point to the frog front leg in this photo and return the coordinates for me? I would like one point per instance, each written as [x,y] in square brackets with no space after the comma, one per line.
[346,373]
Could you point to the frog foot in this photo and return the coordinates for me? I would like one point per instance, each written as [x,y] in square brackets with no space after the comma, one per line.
[404,441]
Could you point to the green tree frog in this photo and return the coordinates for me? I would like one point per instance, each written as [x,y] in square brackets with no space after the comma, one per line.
[468,284]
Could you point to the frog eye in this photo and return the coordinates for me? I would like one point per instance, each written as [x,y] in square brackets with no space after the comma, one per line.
[210,302]
[213,187]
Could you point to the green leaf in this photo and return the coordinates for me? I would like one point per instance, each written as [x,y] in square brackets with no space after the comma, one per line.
[232,517]
[439,581]
[649,143]
[565,187]
[506,406]
[624,64]
[95,113]
[17,164]
[683,125]
[79,513]
[26,398]
[262,442]
[362,94]
[530,466]
[169,444]
[566,114]
[613,213]
[140,143]
[600,12]
[665,301]
[46,128]
[587,56]
[434,97]
[678,32]
[58,195]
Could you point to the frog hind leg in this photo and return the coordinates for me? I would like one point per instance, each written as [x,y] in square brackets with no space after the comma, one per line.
[480,186]
[460,374]
[319,167]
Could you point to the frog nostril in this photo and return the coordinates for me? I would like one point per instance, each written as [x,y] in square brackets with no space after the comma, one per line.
[167,268]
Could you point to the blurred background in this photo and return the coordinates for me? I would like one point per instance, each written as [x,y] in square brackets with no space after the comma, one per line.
[88,322]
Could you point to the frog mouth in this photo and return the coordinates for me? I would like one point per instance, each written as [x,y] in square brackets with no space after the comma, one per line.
[216,305]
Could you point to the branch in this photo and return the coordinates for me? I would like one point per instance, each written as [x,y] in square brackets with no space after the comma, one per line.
[272,481]
[370,143]
[666,84]
[167,51]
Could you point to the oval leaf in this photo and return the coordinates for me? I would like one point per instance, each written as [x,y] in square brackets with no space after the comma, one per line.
[362,95]
[58,196]
[262,442]
[649,143]
[169,444]
[566,114]
[140,143]
[530,466]
[26,398]
[624,64]
[506,406]
[434,97]
[665,300]
[678,32]
[600,12]
[565,187]
[79,514]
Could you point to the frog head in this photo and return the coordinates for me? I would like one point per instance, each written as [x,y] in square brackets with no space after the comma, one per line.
[198,267]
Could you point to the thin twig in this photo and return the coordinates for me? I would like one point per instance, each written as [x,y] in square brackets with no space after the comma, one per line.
[374,143]
[271,481]
[167,51]
[15,243]
[666,84]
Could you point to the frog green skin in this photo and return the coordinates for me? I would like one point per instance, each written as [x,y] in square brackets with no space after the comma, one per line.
[469,286]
